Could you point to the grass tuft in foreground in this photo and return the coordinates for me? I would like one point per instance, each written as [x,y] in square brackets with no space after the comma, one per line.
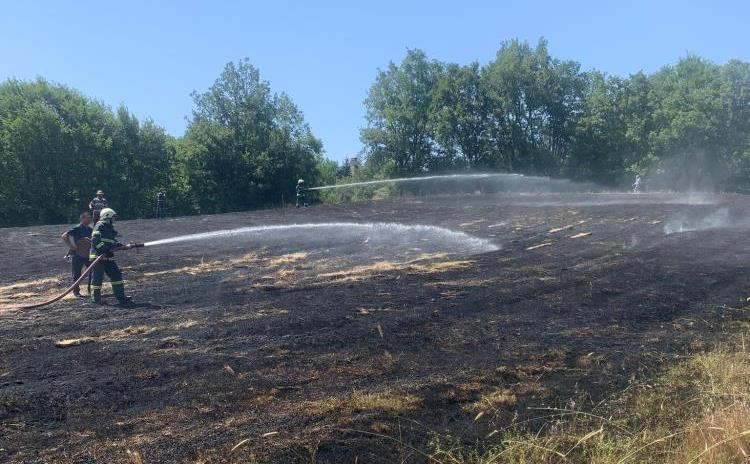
[697,411]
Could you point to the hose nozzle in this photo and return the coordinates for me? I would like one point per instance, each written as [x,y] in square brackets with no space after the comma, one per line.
[131,246]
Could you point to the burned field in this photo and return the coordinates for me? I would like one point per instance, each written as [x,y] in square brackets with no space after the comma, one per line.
[326,346]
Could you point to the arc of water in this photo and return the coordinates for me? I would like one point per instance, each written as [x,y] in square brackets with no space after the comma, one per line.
[474,244]
[417,179]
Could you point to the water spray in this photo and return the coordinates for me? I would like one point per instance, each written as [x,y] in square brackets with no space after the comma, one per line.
[420,179]
[467,242]
[464,242]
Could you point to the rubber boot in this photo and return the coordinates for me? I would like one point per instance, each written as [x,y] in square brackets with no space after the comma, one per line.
[96,295]
[119,290]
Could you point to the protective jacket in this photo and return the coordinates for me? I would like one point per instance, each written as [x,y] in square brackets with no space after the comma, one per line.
[103,240]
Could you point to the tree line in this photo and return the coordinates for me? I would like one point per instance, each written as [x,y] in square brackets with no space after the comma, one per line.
[684,126]
[244,147]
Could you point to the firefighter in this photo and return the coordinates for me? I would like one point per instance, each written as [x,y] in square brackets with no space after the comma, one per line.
[160,199]
[104,242]
[301,193]
[97,205]
[637,184]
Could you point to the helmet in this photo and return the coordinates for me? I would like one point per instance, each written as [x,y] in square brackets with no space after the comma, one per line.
[107,213]
[100,192]
[301,181]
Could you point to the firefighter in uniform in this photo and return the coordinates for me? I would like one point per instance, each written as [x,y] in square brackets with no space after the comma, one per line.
[104,242]
[301,191]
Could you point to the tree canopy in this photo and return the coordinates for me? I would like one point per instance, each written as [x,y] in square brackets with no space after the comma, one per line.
[244,147]
[685,126]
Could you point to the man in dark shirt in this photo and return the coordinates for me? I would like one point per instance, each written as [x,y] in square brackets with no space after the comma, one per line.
[78,241]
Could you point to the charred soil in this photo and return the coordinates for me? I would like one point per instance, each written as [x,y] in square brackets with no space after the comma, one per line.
[292,352]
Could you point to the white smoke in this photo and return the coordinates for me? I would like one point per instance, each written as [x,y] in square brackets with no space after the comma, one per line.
[716,220]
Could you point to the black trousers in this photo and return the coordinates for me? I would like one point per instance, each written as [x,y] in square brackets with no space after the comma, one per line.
[109,267]
[78,264]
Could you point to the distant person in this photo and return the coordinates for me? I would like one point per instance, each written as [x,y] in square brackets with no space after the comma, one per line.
[301,193]
[637,184]
[160,198]
[97,205]
[104,242]
[79,243]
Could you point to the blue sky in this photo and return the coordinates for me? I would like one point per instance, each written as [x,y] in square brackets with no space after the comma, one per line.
[152,55]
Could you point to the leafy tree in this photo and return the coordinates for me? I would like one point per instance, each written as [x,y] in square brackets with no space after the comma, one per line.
[534,102]
[58,147]
[245,146]
[461,117]
[400,135]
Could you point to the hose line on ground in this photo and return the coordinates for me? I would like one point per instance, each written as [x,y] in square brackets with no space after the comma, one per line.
[77,282]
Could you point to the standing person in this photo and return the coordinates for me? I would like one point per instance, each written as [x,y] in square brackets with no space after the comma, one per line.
[160,197]
[104,242]
[637,184]
[98,204]
[301,193]
[78,242]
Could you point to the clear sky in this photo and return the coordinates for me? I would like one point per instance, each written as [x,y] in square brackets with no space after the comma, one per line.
[151,55]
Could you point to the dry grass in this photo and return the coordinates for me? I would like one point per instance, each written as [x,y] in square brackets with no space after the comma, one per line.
[30,289]
[29,284]
[697,411]
[494,400]
[135,457]
[201,268]
[245,260]
[287,259]
[462,283]
[440,266]
[418,266]
[541,245]
[205,267]
[359,401]
[360,272]
[111,336]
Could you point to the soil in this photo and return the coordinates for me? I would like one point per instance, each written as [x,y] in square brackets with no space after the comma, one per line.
[310,348]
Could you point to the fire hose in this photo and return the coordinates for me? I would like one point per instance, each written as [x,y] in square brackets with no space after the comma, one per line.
[79,280]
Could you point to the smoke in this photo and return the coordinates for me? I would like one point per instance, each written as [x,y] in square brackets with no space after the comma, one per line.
[373,238]
[615,198]
[716,220]
[688,171]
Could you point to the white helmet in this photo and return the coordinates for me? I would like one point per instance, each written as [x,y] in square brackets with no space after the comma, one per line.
[107,213]
[301,181]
